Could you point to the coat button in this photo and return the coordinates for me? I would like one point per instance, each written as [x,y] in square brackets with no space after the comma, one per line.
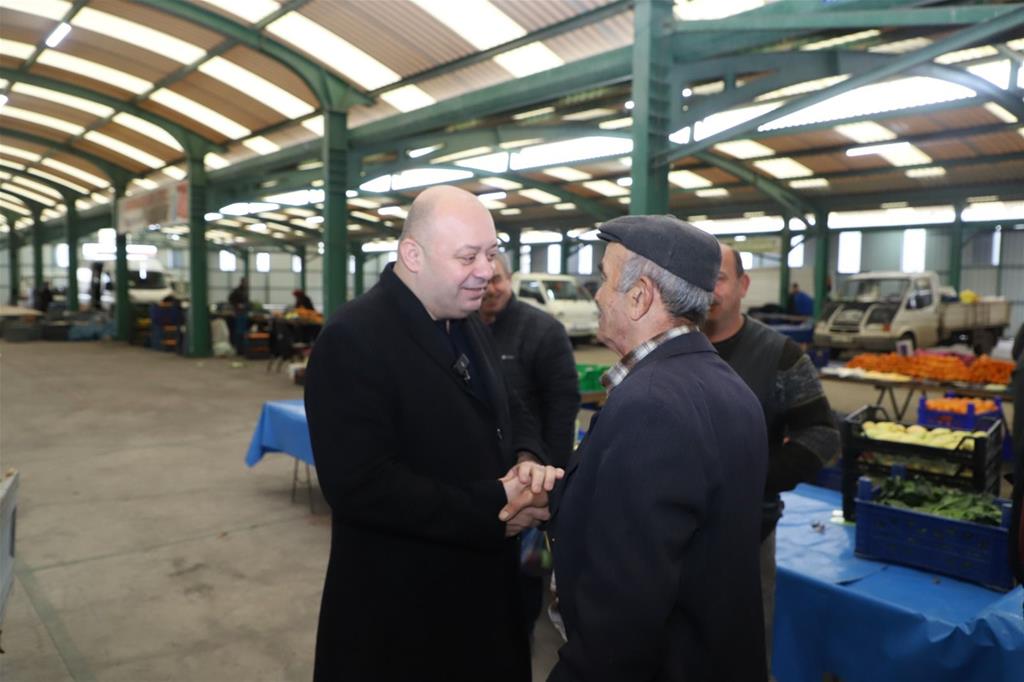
[500,435]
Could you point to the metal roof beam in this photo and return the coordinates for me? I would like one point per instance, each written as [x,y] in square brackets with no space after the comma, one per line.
[111,170]
[790,201]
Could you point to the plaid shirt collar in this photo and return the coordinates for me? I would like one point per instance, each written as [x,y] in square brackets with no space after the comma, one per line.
[615,376]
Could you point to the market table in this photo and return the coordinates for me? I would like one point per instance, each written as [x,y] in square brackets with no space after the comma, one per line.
[868,621]
[282,428]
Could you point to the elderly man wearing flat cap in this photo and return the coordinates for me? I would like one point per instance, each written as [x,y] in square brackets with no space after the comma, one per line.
[657,520]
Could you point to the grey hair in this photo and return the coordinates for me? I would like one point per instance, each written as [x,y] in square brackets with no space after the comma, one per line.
[681,299]
[502,257]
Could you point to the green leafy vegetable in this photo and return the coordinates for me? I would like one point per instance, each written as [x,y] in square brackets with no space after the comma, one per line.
[923,496]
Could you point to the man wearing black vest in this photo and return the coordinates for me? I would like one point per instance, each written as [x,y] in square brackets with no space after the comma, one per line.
[802,435]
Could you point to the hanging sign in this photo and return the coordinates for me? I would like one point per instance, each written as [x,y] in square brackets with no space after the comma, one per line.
[165,205]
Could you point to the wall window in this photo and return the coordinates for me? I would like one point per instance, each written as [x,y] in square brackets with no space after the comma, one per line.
[849,252]
[227,261]
[747,258]
[263,262]
[913,250]
[352,265]
[997,244]
[296,264]
[585,260]
[525,258]
[554,259]
[796,256]
[60,255]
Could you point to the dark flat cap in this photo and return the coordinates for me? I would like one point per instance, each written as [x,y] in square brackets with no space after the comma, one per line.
[679,247]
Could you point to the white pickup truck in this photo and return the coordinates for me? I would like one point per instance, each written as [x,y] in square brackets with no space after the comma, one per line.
[877,309]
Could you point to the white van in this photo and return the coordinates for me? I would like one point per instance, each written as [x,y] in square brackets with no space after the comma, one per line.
[562,297]
[147,282]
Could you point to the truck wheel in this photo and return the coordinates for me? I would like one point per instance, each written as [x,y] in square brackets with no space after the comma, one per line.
[984,341]
[910,337]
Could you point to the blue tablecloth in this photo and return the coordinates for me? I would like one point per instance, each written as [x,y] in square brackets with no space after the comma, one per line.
[872,622]
[281,428]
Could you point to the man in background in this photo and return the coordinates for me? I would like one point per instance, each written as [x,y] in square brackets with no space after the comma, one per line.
[802,436]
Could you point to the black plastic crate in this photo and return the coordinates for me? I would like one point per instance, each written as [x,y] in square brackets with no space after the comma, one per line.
[976,470]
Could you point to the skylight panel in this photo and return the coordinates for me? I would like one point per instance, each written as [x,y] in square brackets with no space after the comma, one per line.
[996,72]
[688,179]
[528,59]
[567,173]
[540,196]
[145,183]
[261,145]
[364,203]
[809,183]
[896,153]
[13,48]
[331,49]
[1000,113]
[902,46]
[407,98]
[198,112]
[462,154]
[503,183]
[784,168]
[79,103]
[510,211]
[379,184]
[724,120]
[616,124]
[841,40]
[37,186]
[150,130]
[565,206]
[139,35]
[418,177]
[314,125]
[712,192]
[42,120]
[929,172]
[967,55]
[744,149]
[28,194]
[478,22]
[250,10]
[215,161]
[696,10]
[865,132]
[59,180]
[48,9]
[7,148]
[802,88]
[17,208]
[125,149]
[491,163]
[255,86]
[588,114]
[523,115]
[567,151]
[606,187]
[105,74]
[12,164]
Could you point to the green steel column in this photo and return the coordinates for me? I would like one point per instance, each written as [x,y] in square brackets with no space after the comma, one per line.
[1002,259]
[956,247]
[300,251]
[821,260]
[37,249]
[13,244]
[122,306]
[360,277]
[652,101]
[514,246]
[565,254]
[335,156]
[71,224]
[786,238]
[243,252]
[199,308]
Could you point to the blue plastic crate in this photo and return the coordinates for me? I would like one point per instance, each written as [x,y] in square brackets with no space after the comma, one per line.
[830,477]
[968,551]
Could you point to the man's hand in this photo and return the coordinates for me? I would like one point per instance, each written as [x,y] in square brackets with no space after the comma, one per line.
[538,477]
[530,517]
[526,488]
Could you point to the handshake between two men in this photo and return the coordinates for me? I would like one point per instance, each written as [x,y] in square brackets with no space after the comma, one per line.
[527,485]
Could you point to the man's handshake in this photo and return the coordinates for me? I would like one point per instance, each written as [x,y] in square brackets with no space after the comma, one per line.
[527,485]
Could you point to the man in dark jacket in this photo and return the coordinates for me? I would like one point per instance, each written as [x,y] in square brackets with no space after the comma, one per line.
[538,365]
[656,521]
[802,436]
[416,448]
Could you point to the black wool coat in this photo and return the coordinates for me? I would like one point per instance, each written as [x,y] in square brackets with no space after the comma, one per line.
[421,584]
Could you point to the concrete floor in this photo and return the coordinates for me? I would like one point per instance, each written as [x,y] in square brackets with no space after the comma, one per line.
[146,550]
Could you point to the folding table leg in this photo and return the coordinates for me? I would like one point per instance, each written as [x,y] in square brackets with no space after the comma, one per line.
[309,491]
[295,478]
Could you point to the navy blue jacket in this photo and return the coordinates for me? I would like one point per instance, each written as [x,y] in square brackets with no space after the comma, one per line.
[657,527]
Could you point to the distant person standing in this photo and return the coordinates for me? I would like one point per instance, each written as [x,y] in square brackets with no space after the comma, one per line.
[239,296]
[96,286]
[302,300]
[239,301]
[44,297]
[799,302]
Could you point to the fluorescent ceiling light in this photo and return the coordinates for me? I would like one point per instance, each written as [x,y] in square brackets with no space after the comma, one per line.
[44,120]
[1000,113]
[510,211]
[139,35]
[365,216]
[58,34]
[896,153]
[503,183]
[248,208]
[210,217]
[48,9]
[300,212]
[423,151]
[260,145]
[929,172]
[492,196]
[557,153]
[713,192]
[784,168]
[687,179]
[59,180]
[605,187]
[364,203]
[744,149]
[540,196]
[250,10]
[144,127]
[215,161]
[396,211]
[565,206]
[20,153]
[970,54]
[491,163]
[300,197]
[83,67]
[865,132]
[326,46]
[314,125]
[532,113]
[809,183]
[37,186]
[257,87]
[60,98]
[200,113]
[407,98]
[624,182]
[588,114]
[174,172]
[418,177]
[528,59]
[616,124]
[841,40]
[567,173]
[124,149]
